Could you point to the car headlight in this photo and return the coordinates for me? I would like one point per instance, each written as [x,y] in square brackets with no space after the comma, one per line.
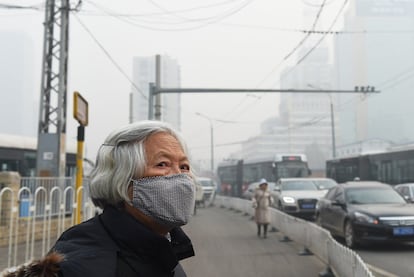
[289,200]
[365,218]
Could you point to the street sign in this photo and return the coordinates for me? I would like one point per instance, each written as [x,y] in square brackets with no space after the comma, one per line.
[80,109]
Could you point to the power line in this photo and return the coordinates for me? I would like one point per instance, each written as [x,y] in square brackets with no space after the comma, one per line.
[111,58]
[316,5]
[186,10]
[314,47]
[293,50]
[324,35]
[18,7]
[302,41]
[202,22]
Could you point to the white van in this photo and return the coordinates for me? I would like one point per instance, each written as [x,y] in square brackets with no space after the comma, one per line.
[209,189]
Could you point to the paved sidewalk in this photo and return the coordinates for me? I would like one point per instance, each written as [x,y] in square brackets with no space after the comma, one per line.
[226,244]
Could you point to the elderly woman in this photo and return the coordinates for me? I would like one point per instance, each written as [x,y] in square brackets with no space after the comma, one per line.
[143,183]
[261,201]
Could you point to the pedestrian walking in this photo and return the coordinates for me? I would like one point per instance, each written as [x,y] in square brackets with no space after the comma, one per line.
[261,202]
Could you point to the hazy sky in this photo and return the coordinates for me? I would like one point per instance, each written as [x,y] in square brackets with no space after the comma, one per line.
[218,43]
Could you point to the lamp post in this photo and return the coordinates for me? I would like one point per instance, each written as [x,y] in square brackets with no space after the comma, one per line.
[332,122]
[211,140]
[332,127]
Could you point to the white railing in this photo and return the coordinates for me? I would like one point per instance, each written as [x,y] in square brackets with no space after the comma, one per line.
[34,216]
[339,259]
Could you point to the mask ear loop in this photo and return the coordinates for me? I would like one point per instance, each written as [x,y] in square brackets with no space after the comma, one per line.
[133,182]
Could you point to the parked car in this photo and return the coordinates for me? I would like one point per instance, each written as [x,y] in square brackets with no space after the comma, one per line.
[366,211]
[209,187]
[249,192]
[296,196]
[406,190]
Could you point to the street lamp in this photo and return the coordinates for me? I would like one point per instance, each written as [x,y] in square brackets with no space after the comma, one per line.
[332,122]
[332,128]
[211,140]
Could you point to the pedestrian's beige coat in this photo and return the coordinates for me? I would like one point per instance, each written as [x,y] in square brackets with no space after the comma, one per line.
[261,201]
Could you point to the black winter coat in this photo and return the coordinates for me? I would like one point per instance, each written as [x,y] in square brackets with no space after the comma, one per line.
[116,244]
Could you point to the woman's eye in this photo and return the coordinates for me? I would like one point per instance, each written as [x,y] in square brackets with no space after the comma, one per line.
[162,164]
[185,167]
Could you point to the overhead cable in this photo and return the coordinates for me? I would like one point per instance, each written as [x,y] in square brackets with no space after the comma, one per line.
[111,58]
[202,22]
[324,35]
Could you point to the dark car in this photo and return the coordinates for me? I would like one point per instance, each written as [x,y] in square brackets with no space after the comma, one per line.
[365,211]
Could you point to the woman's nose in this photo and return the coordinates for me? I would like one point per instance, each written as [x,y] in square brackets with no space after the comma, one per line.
[176,169]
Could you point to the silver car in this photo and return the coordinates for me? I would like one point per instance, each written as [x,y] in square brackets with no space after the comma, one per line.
[209,190]
[406,190]
[297,196]
[323,183]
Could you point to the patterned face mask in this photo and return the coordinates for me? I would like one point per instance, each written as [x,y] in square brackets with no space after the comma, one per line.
[169,200]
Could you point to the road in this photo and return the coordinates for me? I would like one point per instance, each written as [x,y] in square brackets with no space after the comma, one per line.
[393,258]
[226,244]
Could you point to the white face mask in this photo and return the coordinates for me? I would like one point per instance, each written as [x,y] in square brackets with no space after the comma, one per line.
[169,200]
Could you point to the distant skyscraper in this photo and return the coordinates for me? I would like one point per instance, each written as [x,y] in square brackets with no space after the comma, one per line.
[143,74]
[376,49]
[304,123]
[18,114]
[307,117]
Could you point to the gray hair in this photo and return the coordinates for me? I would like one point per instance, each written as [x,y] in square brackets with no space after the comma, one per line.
[122,157]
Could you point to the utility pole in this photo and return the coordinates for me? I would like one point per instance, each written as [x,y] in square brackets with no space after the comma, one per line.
[333,138]
[332,128]
[157,87]
[51,148]
[211,140]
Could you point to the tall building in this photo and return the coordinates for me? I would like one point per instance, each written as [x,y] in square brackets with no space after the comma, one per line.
[376,49]
[144,70]
[308,117]
[305,122]
[18,115]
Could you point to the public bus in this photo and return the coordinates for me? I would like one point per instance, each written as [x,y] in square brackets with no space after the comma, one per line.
[394,166]
[18,153]
[235,175]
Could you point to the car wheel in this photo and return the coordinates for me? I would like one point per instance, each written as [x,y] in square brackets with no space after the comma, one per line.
[349,235]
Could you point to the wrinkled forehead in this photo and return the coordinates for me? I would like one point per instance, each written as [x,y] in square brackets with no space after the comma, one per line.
[163,142]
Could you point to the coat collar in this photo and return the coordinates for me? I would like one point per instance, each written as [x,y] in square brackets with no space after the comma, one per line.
[132,235]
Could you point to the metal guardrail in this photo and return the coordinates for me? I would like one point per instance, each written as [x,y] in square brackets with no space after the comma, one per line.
[339,259]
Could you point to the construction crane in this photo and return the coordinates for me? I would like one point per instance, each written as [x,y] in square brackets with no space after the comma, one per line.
[51,143]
